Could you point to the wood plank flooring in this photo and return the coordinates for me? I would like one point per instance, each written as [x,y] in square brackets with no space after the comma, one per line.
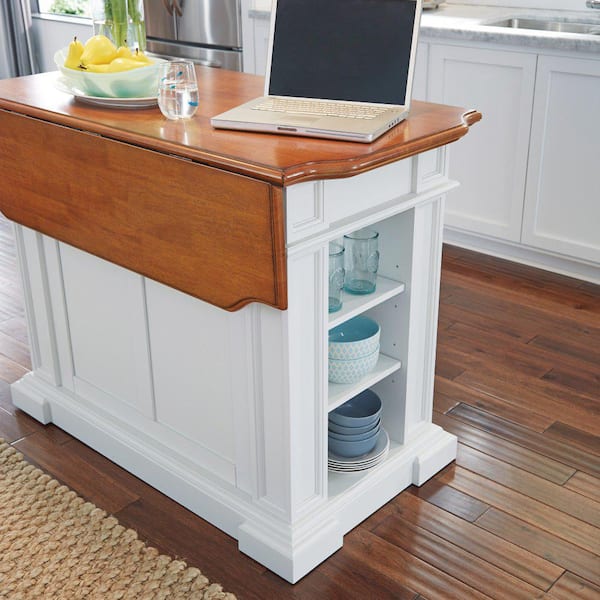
[516,516]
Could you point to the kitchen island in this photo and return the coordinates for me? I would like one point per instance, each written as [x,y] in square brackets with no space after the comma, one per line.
[175,282]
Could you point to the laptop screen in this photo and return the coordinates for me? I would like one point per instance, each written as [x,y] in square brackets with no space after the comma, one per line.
[354,50]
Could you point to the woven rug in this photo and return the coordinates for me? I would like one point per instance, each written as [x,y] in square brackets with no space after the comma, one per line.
[54,545]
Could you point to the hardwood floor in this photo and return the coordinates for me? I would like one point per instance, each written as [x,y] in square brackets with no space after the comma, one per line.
[516,516]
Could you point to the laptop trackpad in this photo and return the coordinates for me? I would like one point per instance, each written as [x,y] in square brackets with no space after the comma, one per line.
[300,120]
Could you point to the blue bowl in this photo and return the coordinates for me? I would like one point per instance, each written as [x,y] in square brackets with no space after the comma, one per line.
[360,411]
[352,449]
[354,339]
[341,430]
[355,437]
[351,371]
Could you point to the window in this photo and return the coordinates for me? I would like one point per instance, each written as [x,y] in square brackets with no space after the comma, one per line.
[65,7]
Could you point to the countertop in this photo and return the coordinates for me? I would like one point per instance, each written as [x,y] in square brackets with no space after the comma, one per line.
[467,22]
[276,159]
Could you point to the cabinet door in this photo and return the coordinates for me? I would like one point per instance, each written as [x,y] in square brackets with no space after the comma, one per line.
[490,163]
[562,206]
[105,352]
[419,88]
[261,45]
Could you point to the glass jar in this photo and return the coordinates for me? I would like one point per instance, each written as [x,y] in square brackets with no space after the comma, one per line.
[120,20]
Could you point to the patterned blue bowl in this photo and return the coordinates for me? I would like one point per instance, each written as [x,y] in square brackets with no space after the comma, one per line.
[351,371]
[354,339]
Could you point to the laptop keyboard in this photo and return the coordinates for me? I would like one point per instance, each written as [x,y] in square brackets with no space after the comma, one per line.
[320,108]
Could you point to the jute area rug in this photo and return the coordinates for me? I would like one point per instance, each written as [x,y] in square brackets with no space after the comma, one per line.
[56,546]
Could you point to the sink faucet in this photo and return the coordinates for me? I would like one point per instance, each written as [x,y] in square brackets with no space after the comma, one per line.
[593,3]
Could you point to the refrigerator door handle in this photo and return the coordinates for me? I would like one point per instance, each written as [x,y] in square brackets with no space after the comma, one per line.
[177,8]
[168,7]
[208,63]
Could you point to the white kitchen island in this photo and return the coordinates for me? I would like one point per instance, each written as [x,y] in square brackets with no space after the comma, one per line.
[176,297]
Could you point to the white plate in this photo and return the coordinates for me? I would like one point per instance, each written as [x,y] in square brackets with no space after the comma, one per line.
[63,86]
[358,466]
[380,449]
[357,469]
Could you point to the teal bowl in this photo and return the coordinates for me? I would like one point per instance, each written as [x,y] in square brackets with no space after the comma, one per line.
[351,371]
[354,339]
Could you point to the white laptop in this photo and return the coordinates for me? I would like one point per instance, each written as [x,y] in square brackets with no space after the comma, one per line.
[339,69]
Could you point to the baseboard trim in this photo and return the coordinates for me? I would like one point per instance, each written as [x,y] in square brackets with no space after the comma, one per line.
[532,257]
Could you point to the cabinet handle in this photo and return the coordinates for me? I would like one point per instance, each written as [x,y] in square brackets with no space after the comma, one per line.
[178,8]
[208,63]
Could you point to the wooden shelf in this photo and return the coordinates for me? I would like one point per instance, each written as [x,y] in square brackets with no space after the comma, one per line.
[340,392]
[355,304]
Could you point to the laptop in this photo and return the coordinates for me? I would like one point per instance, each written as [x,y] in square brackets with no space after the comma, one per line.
[338,69]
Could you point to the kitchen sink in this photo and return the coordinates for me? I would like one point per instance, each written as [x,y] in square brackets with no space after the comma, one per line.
[541,24]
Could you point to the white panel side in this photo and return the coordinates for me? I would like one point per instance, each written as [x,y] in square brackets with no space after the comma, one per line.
[304,210]
[107,326]
[426,257]
[291,399]
[307,320]
[38,307]
[192,367]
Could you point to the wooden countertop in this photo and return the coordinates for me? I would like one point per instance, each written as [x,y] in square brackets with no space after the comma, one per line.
[276,159]
[113,182]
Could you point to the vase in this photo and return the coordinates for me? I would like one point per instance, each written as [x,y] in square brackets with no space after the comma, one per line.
[122,21]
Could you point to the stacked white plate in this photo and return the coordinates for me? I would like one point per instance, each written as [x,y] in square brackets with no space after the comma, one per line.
[342,464]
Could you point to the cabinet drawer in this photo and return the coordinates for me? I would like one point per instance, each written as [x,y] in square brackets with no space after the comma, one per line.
[313,207]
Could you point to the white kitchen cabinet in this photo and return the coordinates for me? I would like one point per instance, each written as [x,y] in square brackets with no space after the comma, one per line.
[227,411]
[528,186]
[261,29]
[491,163]
[562,201]
[419,88]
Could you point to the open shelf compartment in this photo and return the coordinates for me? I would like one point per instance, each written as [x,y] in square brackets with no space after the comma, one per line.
[353,304]
[340,392]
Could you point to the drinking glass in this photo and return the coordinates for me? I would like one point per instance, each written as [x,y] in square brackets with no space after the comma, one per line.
[336,276]
[177,89]
[362,261]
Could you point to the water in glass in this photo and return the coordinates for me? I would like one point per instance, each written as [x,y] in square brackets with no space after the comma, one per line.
[178,90]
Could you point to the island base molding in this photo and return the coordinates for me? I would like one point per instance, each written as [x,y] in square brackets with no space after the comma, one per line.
[291,551]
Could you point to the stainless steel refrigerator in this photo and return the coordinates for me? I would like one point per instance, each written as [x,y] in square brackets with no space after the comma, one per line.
[209,32]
